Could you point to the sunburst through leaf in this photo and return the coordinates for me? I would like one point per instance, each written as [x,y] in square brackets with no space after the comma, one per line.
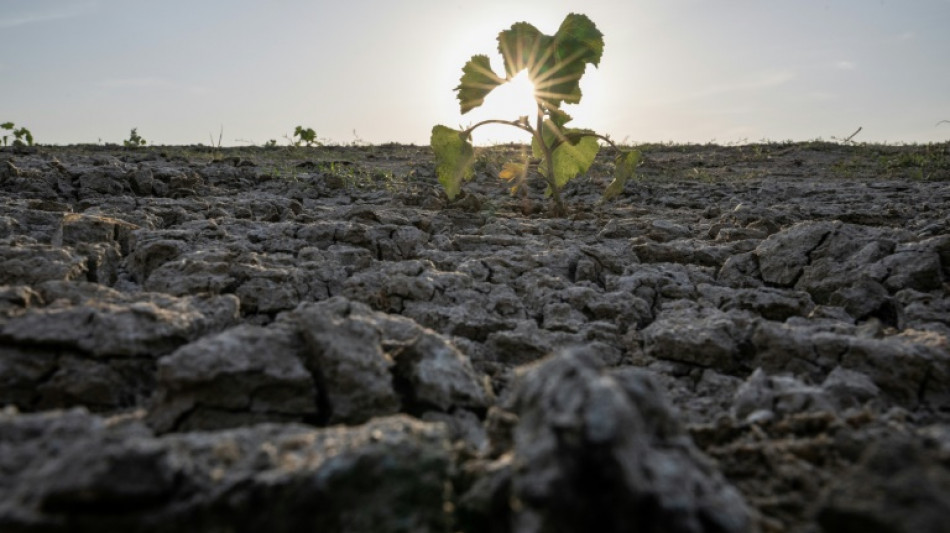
[553,66]
[515,98]
[554,63]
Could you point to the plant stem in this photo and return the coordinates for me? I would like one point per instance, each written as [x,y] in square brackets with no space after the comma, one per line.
[514,123]
[605,139]
[548,154]
[549,163]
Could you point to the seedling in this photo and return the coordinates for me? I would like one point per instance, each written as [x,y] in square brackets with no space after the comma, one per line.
[305,137]
[849,138]
[134,140]
[216,148]
[21,135]
[555,65]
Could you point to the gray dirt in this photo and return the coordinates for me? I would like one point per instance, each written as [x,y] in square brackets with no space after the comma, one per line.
[749,338]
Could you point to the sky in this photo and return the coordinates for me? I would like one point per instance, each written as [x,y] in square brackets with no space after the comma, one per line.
[376,71]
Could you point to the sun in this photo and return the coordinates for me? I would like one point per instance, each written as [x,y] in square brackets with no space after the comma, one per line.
[513,99]
[509,101]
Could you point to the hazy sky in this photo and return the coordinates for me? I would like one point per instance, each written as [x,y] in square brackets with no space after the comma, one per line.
[76,71]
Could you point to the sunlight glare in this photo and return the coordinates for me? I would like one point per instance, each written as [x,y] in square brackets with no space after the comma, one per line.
[510,101]
[513,99]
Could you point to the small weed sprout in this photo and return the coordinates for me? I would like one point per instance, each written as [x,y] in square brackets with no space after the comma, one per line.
[216,148]
[555,65]
[134,140]
[849,138]
[305,137]
[21,135]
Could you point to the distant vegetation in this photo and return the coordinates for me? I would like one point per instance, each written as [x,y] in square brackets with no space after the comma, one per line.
[21,135]
[305,137]
[134,140]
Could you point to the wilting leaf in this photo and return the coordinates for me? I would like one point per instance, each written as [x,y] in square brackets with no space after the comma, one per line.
[454,155]
[515,173]
[478,79]
[624,169]
[510,171]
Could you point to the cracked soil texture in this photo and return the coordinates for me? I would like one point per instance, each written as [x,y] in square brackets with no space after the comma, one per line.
[749,338]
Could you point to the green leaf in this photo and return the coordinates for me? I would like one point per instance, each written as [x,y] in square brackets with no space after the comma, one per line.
[454,155]
[555,63]
[576,43]
[478,79]
[307,136]
[579,38]
[553,132]
[559,118]
[572,157]
[7,125]
[624,169]
[524,47]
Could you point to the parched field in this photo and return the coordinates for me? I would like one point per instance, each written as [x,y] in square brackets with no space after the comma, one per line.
[749,338]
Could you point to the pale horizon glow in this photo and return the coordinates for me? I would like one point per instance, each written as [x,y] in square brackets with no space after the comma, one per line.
[681,71]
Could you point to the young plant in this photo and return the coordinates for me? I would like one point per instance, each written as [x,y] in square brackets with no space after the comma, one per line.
[21,135]
[305,137]
[216,148]
[555,65]
[134,140]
